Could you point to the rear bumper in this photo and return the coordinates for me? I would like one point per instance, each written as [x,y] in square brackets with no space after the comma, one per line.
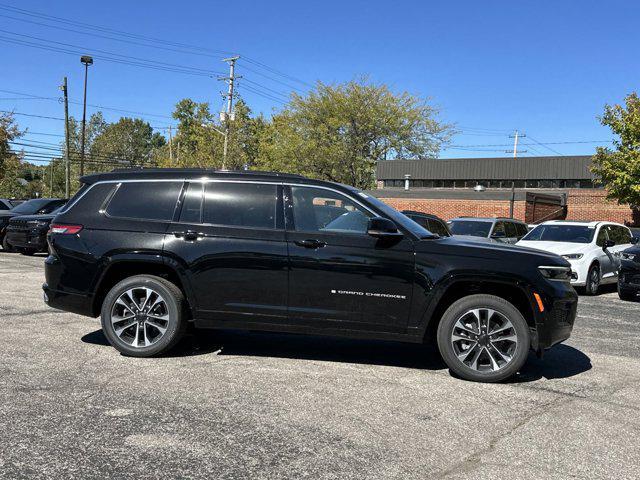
[69,302]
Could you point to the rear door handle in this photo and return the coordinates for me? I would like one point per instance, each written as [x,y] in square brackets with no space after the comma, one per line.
[188,235]
[310,243]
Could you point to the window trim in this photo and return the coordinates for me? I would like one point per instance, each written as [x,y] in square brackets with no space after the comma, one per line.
[290,222]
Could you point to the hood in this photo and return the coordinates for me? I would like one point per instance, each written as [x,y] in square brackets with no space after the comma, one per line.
[559,248]
[465,247]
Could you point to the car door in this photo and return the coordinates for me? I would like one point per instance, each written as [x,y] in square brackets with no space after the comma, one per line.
[339,276]
[228,237]
[604,255]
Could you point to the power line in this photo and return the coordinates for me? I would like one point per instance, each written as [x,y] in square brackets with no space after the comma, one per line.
[184,47]
[545,146]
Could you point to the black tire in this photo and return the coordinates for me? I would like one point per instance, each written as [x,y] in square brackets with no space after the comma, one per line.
[6,246]
[174,300]
[627,295]
[592,284]
[456,311]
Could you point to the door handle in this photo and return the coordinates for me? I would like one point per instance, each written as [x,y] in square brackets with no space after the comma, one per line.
[188,235]
[310,243]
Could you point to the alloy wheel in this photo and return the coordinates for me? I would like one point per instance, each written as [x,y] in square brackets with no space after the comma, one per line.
[140,317]
[484,340]
[594,280]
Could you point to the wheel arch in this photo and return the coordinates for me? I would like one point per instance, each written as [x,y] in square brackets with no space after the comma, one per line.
[515,292]
[126,266]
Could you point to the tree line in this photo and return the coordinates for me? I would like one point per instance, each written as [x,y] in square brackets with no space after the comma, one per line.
[334,132]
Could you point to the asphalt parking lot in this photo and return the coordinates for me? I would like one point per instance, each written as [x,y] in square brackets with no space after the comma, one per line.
[248,405]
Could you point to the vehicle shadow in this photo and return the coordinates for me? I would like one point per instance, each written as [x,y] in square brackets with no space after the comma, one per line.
[300,347]
[562,361]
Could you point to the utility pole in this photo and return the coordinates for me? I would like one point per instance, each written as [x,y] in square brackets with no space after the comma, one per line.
[67,163]
[170,146]
[86,60]
[228,115]
[516,136]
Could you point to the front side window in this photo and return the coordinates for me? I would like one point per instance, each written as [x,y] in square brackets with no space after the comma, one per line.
[602,236]
[233,204]
[320,210]
[145,200]
[511,229]
[499,230]
[437,227]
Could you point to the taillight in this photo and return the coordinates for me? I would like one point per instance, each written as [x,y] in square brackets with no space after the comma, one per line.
[64,229]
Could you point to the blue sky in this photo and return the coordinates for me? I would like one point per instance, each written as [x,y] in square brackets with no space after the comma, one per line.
[546,67]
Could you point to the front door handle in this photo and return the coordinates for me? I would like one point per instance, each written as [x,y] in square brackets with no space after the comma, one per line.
[310,243]
[189,235]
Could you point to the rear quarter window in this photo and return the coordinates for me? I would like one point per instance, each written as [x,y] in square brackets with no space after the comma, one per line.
[145,200]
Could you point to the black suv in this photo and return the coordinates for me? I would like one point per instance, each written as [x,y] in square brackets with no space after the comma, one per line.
[151,250]
[431,222]
[36,206]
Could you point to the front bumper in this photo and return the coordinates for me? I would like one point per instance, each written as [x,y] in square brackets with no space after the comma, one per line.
[555,323]
[629,277]
[35,239]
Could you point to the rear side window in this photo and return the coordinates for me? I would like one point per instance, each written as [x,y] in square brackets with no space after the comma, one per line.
[231,204]
[437,227]
[510,229]
[145,200]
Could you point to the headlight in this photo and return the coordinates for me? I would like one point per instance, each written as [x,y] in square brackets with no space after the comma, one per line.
[627,256]
[573,256]
[562,274]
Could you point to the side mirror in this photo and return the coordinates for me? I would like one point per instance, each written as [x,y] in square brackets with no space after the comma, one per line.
[634,240]
[382,228]
[608,244]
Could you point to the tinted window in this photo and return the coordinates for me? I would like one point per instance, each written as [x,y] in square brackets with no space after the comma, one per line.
[145,200]
[562,233]
[3,206]
[602,236]
[437,227]
[511,230]
[470,227]
[240,204]
[619,234]
[499,230]
[192,204]
[37,206]
[310,204]
[522,229]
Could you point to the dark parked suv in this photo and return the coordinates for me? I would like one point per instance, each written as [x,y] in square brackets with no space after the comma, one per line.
[151,250]
[36,206]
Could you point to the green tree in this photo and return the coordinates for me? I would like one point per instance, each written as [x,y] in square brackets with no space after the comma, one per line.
[340,132]
[12,182]
[199,143]
[131,141]
[618,169]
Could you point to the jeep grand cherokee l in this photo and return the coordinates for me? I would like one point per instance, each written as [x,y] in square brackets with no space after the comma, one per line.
[152,250]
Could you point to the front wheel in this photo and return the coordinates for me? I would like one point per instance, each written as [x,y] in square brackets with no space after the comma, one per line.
[593,280]
[483,338]
[143,316]
[627,295]
[6,246]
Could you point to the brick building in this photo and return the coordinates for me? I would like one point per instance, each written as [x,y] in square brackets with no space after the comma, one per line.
[540,188]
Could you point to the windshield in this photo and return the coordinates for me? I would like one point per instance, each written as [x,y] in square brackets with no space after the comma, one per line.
[561,233]
[395,215]
[34,206]
[473,228]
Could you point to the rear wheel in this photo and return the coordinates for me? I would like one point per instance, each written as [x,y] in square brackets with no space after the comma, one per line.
[483,338]
[143,316]
[593,280]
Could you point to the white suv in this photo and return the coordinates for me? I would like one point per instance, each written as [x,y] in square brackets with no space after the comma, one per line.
[592,248]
